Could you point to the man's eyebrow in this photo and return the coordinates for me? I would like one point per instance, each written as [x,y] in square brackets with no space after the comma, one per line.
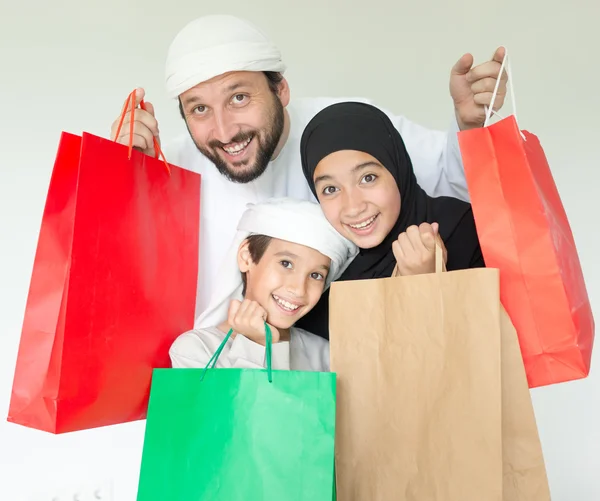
[226,90]
[235,86]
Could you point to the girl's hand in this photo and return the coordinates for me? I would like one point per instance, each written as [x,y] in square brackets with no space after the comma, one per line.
[414,249]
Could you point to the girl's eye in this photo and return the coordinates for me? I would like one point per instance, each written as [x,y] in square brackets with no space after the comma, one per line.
[286,264]
[328,190]
[317,276]
[369,178]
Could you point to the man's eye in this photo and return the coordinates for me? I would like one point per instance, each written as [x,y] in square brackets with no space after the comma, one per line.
[199,109]
[239,98]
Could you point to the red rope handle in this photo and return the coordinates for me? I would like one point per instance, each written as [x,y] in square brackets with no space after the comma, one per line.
[131,103]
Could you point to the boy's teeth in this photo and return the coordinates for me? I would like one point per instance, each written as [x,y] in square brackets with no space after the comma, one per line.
[364,223]
[285,304]
[232,150]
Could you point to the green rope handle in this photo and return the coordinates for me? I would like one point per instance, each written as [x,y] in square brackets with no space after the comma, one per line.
[268,353]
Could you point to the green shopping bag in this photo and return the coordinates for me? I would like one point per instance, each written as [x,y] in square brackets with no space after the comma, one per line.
[239,434]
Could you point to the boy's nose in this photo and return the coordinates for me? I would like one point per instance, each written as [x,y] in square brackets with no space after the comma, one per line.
[297,287]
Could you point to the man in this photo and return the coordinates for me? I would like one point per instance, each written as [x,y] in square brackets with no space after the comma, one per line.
[244,131]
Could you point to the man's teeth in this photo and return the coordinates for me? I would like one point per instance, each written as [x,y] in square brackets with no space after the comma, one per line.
[285,304]
[364,224]
[236,148]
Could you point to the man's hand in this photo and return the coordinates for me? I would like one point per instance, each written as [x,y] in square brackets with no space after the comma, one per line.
[471,88]
[145,126]
[248,319]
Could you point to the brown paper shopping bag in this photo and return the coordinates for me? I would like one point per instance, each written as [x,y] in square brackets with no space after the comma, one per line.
[524,470]
[420,364]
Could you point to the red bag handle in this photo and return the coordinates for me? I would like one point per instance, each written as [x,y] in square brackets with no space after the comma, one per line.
[131,102]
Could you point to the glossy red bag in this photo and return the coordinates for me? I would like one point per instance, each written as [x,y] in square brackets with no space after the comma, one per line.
[113,284]
[524,231]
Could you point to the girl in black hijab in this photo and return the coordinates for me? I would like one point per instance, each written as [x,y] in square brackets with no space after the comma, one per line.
[357,166]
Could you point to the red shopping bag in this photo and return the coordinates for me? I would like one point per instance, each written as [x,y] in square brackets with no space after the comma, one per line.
[524,231]
[113,284]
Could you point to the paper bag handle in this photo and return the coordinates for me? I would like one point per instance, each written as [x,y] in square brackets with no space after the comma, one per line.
[131,102]
[268,353]
[439,260]
[489,111]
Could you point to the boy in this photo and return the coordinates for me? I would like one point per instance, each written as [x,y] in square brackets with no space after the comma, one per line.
[283,257]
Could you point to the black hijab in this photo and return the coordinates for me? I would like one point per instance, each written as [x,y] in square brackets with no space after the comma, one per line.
[362,127]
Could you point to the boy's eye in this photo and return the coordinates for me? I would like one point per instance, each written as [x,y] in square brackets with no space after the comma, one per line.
[317,276]
[328,190]
[286,264]
[369,178]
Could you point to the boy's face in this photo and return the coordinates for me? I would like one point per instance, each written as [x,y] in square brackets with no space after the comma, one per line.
[287,281]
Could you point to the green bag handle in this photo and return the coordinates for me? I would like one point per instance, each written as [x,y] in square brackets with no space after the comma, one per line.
[268,352]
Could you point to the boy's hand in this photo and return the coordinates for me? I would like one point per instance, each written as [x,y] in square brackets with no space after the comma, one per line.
[248,319]
[415,249]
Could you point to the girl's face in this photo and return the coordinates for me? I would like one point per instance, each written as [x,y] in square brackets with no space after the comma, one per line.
[359,197]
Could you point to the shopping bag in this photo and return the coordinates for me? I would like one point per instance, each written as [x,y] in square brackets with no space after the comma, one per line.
[239,434]
[525,233]
[523,466]
[113,284]
[427,399]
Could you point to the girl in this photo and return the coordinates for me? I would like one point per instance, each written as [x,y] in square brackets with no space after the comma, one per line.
[357,166]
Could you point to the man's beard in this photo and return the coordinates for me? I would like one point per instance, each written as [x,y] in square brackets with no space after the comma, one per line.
[266,139]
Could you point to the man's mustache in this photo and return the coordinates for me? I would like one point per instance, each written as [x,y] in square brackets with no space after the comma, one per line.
[238,138]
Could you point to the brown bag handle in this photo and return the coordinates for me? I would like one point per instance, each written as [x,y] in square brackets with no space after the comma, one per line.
[440,266]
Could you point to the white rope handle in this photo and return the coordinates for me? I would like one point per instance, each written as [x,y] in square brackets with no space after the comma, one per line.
[490,111]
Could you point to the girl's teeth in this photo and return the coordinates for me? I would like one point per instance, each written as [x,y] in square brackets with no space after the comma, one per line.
[363,224]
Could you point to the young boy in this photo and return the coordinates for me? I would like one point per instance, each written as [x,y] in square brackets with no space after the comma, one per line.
[283,257]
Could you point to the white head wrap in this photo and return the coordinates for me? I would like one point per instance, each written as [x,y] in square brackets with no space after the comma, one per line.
[298,221]
[212,45]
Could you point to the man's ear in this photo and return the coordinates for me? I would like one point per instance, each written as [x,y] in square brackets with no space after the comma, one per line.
[283,91]
[244,259]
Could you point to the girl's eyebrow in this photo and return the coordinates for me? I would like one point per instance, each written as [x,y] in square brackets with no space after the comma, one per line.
[356,168]
[364,165]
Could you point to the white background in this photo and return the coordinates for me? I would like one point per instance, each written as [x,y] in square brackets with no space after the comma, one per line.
[68,65]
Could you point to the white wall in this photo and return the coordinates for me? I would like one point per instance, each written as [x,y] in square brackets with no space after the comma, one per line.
[68,65]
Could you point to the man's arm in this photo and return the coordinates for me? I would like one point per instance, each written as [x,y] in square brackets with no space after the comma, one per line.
[435,155]
[436,158]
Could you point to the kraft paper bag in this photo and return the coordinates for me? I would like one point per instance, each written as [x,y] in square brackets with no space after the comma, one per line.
[433,401]
[524,469]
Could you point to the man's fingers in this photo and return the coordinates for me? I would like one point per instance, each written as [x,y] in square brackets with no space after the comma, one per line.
[499,54]
[139,95]
[150,108]
[485,99]
[487,84]
[463,65]
[490,69]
